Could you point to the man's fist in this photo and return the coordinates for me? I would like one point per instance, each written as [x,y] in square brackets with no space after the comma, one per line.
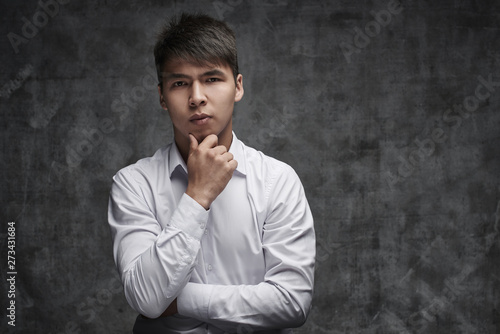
[210,167]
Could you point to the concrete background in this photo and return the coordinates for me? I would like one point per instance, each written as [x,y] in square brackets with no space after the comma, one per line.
[393,127]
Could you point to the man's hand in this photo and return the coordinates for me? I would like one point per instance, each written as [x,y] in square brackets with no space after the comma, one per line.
[210,167]
[171,309]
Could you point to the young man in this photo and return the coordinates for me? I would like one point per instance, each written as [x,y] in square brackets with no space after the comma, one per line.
[210,235]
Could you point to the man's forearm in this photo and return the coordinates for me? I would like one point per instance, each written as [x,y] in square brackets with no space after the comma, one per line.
[259,307]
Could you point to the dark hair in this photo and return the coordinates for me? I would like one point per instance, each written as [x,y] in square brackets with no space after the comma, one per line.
[196,38]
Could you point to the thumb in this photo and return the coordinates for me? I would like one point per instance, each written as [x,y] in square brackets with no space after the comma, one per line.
[193,143]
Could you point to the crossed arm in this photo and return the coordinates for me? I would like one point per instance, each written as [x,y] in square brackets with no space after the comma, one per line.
[156,269]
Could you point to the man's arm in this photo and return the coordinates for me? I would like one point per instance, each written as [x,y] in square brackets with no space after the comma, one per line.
[155,263]
[283,299]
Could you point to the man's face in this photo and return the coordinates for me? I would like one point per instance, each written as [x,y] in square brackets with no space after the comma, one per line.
[200,99]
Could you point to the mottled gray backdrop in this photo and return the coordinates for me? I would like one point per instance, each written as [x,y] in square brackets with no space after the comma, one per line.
[388,111]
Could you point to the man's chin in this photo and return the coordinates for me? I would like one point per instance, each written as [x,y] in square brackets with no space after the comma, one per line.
[200,136]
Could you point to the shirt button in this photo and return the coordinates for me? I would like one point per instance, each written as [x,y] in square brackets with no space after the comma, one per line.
[202,226]
[206,232]
[209,267]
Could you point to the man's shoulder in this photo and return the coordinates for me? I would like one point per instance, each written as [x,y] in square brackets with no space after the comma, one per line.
[270,176]
[260,162]
[148,166]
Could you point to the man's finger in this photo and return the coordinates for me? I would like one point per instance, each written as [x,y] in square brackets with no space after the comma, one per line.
[233,164]
[228,156]
[210,141]
[221,149]
[193,143]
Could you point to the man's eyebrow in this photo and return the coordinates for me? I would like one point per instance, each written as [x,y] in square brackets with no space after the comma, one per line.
[214,72]
[170,76]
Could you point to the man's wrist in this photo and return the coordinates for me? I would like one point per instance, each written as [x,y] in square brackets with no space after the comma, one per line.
[201,200]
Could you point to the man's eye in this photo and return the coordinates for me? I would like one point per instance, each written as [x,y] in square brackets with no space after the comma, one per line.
[178,84]
[213,79]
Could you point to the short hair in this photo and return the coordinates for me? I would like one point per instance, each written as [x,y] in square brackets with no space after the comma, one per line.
[196,38]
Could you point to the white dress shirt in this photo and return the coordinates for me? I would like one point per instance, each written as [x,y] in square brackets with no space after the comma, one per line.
[245,265]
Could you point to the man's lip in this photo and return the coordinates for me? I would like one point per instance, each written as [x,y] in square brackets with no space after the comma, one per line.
[198,117]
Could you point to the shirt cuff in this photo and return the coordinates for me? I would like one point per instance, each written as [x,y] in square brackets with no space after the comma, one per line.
[193,301]
[190,217]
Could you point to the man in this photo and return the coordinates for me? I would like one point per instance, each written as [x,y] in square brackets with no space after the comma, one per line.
[210,235]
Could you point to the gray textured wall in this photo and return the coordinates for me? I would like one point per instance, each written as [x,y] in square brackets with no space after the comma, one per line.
[392,126]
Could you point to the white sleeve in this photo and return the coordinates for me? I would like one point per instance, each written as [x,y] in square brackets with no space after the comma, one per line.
[154,263]
[283,300]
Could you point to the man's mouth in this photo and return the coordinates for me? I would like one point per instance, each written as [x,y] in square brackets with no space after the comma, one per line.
[199,119]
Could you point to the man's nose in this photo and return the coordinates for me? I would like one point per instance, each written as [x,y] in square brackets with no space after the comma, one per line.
[197,97]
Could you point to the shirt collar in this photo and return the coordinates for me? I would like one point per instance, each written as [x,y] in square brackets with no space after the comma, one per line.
[175,159]
[238,152]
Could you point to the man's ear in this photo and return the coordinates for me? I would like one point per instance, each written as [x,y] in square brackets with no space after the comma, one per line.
[162,100]
[239,88]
